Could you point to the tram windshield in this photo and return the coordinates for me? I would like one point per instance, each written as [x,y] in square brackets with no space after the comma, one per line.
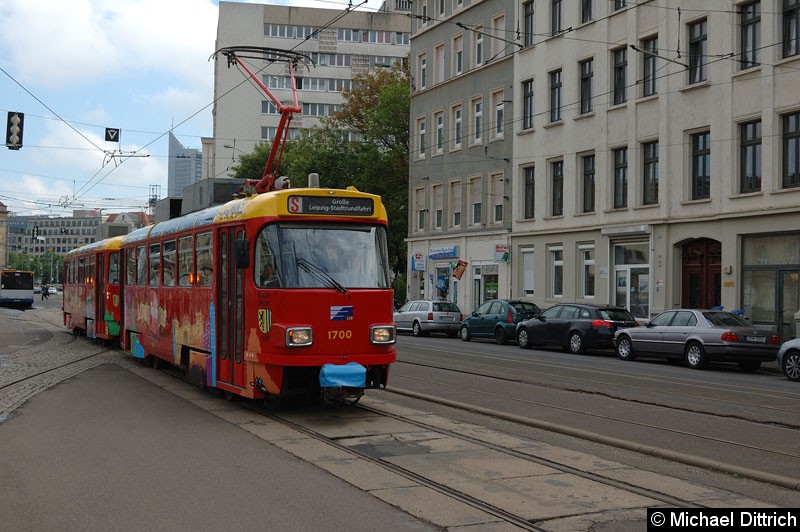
[321,256]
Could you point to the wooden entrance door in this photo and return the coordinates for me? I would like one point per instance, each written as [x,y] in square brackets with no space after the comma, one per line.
[701,274]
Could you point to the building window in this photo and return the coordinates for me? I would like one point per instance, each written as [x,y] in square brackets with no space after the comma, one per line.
[498,114]
[650,173]
[586,11]
[477,120]
[438,118]
[478,46]
[438,57]
[620,178]
[620,66]
[457,127]
[438,206]
[555,17]
[750,179]
[791,27]
[557,271]
[419,204]
[701,165]
[750,16]
[455,203]
[619,4]
[421,137]
[441,7]
[555,96]
[458,54]
[586,72]
[530,191]
[557,205]
[423,71]
[527,37]
[588,183]
[698,50]
[587,271]
[527,271]
[499,31]
[497,198]
[649,66]
[527,104]
[791,150]
[475,200]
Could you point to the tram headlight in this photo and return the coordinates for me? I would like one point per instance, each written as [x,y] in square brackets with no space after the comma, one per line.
[382,334]
[299,336]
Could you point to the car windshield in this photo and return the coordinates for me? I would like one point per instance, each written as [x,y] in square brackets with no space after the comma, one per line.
[528,308]
[725,319]
[615,314]
[445,306]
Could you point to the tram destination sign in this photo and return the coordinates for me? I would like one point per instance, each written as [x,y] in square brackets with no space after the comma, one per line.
[331,205]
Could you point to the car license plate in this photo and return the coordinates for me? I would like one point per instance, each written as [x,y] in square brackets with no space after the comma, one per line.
[448,318]
[754,339]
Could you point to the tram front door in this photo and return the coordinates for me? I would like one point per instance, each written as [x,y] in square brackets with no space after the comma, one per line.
[230,309]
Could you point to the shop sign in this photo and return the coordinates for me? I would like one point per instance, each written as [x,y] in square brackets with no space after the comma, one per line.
[501,252]
[443,252]
[459,270]
[417,262]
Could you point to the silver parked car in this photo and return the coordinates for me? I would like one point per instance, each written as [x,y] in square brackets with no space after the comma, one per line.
[789,359]
[423,316]
[699,337]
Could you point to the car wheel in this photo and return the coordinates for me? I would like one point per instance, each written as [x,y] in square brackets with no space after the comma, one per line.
[791,366]
[416,329]
[575,343]
[625,348]
[695,356]
[750,365]
[500,336]
[464,333]
[523,341]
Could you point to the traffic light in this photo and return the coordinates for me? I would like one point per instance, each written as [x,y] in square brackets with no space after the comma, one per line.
[35,232]
[14,126]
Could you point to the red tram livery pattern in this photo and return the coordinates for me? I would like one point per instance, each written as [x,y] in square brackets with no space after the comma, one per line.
[263,296]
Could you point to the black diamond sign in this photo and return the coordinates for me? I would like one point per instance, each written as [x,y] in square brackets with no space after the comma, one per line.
[112,134]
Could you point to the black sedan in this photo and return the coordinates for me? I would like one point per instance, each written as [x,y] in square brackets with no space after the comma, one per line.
[698,337]
[574,326]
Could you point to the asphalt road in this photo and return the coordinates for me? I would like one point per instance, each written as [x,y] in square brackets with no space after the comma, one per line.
[107,450]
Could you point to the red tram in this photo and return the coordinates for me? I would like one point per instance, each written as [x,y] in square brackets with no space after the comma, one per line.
[92,289]
[274,294]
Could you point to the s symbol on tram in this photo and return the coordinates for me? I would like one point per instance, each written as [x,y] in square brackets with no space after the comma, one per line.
[295,204]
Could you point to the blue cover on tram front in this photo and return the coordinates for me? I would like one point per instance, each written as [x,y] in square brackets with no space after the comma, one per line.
[352,375]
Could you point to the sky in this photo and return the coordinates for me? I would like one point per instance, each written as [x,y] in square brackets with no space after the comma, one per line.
[77,67]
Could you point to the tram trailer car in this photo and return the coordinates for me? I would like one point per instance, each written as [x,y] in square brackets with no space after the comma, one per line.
[91,303]
[276,294]
[16,288]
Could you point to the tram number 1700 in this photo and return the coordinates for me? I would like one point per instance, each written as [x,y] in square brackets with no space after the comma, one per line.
[338,334]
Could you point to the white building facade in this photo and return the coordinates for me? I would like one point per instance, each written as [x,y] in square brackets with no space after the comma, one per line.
[657,156]
[340,45]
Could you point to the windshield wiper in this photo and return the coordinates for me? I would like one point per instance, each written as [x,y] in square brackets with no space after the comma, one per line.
[321,275]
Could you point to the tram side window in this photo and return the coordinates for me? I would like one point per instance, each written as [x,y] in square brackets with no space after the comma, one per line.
[81,276]
[141,271]
[90,271]
[155,264]
[185,261]
[113,268]
[130,267]
[169,265]
[204,259]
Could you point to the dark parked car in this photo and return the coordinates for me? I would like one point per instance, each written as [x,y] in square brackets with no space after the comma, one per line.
[699,337]
[497,318]
[789,359]
[422,317]
[574,326]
